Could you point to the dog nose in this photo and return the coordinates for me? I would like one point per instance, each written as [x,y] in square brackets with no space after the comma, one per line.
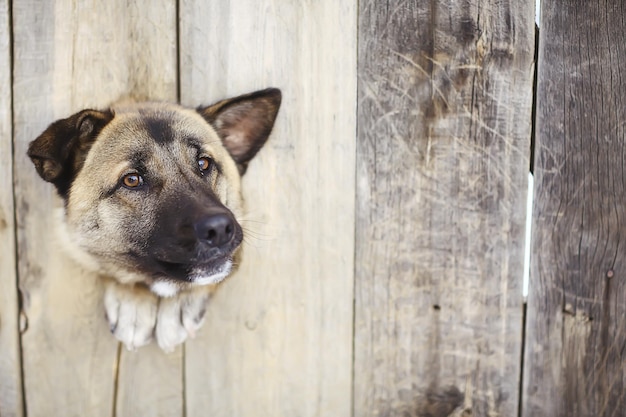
[216,229]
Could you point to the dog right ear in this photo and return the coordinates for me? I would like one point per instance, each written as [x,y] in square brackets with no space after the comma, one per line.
[60,151]
[244,123]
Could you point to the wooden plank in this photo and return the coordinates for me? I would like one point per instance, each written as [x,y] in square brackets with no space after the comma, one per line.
[444,121]
[278,335]
[10,373]
[151,382]
[70,56]
[575,353]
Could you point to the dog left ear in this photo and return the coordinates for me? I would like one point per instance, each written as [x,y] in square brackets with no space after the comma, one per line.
[244,123]
[60,151]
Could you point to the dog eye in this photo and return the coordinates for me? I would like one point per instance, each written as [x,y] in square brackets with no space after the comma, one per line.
[133,180]
[205,164]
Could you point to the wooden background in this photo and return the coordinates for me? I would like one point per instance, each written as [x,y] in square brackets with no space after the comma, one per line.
[383,268]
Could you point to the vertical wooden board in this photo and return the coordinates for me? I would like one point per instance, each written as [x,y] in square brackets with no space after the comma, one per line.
[575,355]
[150,382]
[69,56]
[278,336]
[10,373]
[444,122]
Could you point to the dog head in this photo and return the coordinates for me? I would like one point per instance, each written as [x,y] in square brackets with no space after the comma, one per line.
[152,190]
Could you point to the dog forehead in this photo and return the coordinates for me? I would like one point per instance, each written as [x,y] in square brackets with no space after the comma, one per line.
[162,122]
[148,127]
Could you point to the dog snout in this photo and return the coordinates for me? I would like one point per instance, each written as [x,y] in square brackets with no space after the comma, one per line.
[216,230]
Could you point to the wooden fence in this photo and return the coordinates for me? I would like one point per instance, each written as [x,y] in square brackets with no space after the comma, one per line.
[383,276]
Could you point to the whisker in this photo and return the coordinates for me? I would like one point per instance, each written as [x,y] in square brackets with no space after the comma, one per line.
[256,235]
[255,242]
[250,244]
[252,221]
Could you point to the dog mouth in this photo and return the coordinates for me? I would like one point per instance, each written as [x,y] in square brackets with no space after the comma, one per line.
[198,272]
[182,275]
[201,275]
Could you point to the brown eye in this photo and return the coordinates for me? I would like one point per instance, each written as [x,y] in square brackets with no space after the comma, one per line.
[205,163]
[132,180]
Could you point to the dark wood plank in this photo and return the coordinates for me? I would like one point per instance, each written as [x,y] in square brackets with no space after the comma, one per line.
[576,345]
[10,374]
[444,121]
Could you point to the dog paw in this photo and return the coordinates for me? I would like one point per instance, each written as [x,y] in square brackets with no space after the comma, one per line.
[180,317]
[131,312]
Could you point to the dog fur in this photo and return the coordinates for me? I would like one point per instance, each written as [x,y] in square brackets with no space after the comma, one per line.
[152,201]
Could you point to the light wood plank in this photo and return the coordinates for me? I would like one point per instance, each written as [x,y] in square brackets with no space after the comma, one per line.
[444,122]
[69,56]
[150,382]
[575,356]
[278,336]
[10,373]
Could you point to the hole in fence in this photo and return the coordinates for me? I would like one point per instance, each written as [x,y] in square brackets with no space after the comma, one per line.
[529,216]
[530,195]
[537,11]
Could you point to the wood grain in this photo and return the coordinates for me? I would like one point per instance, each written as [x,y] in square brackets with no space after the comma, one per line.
[10,373]
[69,56]
[150,382]
[278,337]
[575,355]
[445,96]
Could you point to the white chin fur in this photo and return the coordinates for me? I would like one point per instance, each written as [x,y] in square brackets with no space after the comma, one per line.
[164,289]
[169,289]
[198,277]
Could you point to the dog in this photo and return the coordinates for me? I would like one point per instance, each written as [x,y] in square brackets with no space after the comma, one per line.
[152,202]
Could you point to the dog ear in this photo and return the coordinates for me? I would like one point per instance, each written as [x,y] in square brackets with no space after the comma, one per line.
[244,123]
[60,151]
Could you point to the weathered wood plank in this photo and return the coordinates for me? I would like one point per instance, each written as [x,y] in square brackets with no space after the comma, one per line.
[150,382]
[10,374]
[444,121]
[70,56]
[277,341]
[576,328]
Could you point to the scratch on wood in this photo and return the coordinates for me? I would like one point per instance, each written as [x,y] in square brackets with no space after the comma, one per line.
[439,104]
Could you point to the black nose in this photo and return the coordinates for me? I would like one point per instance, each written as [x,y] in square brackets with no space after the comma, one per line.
[216,229]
